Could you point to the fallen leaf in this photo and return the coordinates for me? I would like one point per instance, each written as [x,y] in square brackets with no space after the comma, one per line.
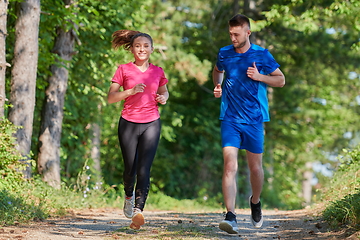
[114,236]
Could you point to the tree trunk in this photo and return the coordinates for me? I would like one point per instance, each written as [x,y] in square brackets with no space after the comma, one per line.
[23,81]
[95,151]
[52,116]
[306,184]
[3,63]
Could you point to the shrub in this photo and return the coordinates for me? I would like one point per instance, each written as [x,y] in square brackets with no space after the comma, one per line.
[344,191]
[15,207]
[11,162]
[344,212]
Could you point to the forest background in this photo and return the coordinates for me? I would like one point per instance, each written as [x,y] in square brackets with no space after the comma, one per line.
[69,131]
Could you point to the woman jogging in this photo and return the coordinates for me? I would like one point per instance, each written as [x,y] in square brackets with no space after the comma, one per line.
[143,87]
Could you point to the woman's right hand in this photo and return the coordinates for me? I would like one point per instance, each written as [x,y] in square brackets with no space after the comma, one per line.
[138,88]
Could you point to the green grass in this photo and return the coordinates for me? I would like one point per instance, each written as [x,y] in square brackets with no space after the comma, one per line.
[160,201]
[15,209]
[35,200]
[345,211]
[342,196]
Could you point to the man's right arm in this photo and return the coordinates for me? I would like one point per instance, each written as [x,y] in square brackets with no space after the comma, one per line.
[218,77]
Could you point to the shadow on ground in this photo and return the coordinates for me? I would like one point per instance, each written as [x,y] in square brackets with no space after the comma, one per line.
[110,224]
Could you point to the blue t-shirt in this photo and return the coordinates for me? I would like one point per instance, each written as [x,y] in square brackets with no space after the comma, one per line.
[244,100]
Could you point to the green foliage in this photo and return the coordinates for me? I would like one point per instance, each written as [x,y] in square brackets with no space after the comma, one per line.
[15,207]
[350,159]
[345,211]
[160,201]
[317,105]
[35,200]
[343,192]
[309,115]
[346,179]
[11,162]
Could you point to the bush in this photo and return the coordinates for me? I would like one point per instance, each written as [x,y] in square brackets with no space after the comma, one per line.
[11,162]
[14,208]
[344,212]
[344,192]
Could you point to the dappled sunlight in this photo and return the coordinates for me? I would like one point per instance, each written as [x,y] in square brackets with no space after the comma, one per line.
[112,224]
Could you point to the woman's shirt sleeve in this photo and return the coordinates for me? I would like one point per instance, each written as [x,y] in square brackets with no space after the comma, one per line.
[118,76]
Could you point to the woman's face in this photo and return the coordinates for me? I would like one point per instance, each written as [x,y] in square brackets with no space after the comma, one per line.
[142,48]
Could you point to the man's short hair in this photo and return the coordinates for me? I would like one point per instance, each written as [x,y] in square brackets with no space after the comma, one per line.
[239,20]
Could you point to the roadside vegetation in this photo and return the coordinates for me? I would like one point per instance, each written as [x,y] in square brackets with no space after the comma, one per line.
[23,200]
[342,195]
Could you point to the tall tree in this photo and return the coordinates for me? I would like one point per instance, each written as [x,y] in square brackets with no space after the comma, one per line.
[3,63]
[24,71]
[52,118]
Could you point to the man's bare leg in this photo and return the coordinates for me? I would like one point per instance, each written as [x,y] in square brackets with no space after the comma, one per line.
[256,174]
[229,177]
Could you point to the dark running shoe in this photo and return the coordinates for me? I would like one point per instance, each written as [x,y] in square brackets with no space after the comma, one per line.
[229,225]
[256,214]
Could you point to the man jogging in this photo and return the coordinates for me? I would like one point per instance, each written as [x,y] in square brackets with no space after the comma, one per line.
[249,70]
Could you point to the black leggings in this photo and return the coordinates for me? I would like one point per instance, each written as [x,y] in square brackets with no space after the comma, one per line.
[138,143]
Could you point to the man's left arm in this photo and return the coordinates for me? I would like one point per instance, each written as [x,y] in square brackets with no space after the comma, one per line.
[274,79]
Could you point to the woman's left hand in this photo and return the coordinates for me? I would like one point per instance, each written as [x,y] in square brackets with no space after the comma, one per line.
[160,99]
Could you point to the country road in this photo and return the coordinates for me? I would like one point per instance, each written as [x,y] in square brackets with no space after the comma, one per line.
[107,224]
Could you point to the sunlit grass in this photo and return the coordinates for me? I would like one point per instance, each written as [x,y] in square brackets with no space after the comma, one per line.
[35,200]
[342,196]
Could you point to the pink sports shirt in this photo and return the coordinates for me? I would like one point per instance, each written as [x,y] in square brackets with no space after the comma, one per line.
[141,107]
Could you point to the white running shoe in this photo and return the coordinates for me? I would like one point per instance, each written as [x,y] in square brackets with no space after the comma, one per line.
[137,220]
[229,225]
[129,207]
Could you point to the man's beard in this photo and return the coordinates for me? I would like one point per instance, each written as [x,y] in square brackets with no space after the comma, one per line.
[240,45]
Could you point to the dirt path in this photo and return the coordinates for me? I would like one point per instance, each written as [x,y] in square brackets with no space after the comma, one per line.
[108,224]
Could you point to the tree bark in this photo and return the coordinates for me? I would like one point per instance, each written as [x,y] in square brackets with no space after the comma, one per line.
[306,183]
[23,81]
[95,151]
[52,116]
[3,63]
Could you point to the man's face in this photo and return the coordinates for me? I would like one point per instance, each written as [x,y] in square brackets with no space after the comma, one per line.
[239,35]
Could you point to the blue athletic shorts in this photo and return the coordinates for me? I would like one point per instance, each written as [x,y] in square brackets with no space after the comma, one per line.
[243,136]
